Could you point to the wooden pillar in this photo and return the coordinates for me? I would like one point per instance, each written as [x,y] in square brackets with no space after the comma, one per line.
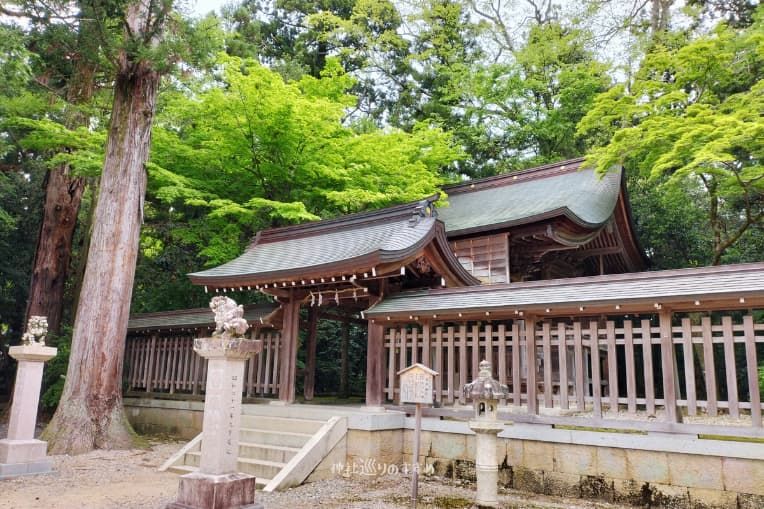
[288,354]
[530,352]
[310,360]
[375,382]
[668,366]
[375,361]
[344,365]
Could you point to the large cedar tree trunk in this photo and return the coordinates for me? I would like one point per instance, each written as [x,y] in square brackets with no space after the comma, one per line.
[63,195]
[90,413]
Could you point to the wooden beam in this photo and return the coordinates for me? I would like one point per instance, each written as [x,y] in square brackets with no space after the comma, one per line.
[324,315]
[310,361]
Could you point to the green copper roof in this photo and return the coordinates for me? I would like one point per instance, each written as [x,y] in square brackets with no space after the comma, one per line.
[348,243]
[703,284]
[283,257]
[526,196]
[192,318]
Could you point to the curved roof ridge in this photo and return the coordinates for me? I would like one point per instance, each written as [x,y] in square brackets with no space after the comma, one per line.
[561,190]
[334,250]
[544,171]
[344,221]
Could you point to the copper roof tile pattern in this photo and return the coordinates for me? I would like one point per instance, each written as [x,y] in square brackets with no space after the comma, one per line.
[388,240]
[517,198]
[643,287]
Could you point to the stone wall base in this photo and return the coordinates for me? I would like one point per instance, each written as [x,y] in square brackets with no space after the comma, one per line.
[707,475]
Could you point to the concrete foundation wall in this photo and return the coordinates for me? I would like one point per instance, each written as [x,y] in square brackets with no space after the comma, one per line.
[182,419]
[647,470]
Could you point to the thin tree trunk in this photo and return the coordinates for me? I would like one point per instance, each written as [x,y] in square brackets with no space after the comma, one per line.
[90,414]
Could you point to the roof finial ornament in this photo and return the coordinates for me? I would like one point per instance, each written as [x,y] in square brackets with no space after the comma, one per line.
[424,208]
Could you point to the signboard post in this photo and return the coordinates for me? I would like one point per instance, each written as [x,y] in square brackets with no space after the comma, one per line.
[416,387]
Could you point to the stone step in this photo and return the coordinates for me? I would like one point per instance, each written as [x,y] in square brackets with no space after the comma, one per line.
[182,469]
[187,469]
[273,437]
[278,453]
[280,423]
[258,468]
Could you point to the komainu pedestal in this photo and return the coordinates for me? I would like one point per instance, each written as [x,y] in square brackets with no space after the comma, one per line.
[20,452]
[217,484]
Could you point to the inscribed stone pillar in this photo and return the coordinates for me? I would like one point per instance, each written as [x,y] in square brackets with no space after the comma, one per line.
[20,453]
[222,403]
[217,484]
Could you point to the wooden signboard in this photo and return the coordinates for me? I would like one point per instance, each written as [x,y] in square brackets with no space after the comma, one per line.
[416,387]
[416,384]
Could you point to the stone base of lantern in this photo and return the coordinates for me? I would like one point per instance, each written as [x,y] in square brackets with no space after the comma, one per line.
[204,491]
[486,465]
[23,457]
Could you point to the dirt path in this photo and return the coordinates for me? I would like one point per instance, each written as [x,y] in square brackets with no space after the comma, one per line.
[99,479]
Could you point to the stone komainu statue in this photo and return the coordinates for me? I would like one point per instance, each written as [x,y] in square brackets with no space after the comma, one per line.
[37,330]
[229,317]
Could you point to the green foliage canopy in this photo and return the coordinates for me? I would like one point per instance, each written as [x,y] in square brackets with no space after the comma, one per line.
[691,121]
[251,151]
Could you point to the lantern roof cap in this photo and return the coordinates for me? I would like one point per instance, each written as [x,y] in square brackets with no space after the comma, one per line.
[485,386]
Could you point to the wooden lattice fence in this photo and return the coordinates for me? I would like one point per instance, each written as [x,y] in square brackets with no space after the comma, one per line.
[594,364]
[168,364]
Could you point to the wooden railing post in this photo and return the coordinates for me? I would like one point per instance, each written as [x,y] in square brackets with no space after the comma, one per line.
[730,368]
[546,341]
[530,356]
[196,375]
[668,365]
[310,361]
[344,361]
[753,372]
[594,351]
[150,370]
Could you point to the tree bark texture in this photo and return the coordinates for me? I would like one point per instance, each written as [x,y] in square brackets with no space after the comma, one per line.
[63,195]
[90,414]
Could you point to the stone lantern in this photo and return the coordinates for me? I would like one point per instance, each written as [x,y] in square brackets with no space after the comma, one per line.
[485,393]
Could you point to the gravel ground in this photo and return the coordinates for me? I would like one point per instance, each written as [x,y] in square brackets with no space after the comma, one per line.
[129,480]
